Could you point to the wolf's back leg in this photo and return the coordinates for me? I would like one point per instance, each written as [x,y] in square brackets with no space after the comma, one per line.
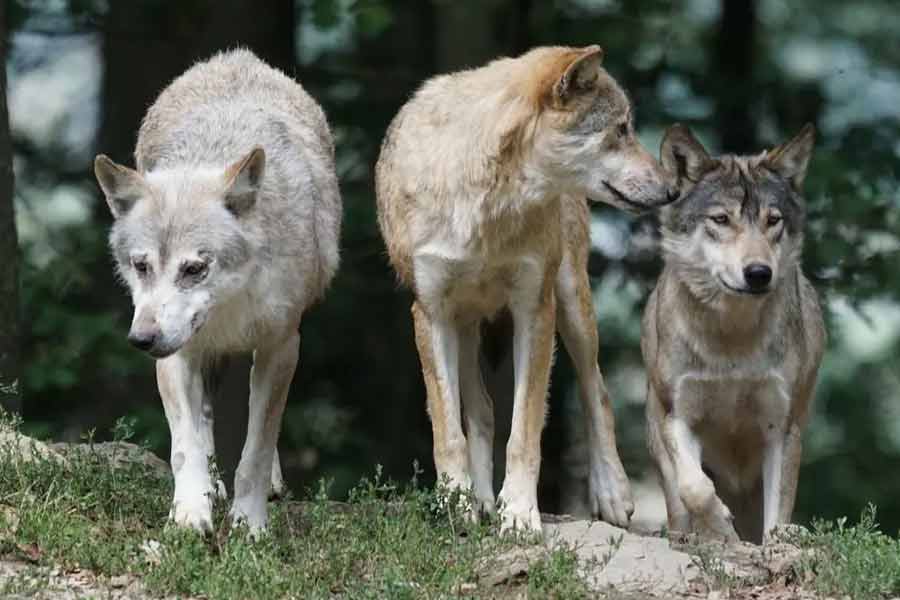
[188,410]
[608,487]
[437,340]
[478,409]
[278,486]
[270,380]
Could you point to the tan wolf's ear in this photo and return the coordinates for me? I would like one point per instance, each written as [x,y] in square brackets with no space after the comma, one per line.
[581,74]
[683,156]
[791,159]
[243,180]
[121,186]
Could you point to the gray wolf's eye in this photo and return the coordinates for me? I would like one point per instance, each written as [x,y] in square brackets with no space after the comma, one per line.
[719,219]
[773,220]
[193,269]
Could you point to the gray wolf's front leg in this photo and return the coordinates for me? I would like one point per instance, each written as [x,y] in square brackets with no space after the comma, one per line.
[270,380]
[189,413]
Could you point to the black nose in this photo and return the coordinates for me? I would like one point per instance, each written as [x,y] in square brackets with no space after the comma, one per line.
[142,340]
[757,276]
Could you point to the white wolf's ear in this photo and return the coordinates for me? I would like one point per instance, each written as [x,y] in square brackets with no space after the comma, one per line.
[580,75]
[121,186]
[683,156]
[243,180]
[790,159]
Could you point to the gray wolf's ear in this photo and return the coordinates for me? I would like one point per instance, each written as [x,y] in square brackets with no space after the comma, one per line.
[121,186]
[580,75]
[790,159]
[683,156]
[243,180]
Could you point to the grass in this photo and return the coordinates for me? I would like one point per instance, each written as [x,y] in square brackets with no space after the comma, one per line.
[384,542]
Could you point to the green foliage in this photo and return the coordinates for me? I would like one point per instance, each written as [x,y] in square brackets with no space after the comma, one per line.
[855,561]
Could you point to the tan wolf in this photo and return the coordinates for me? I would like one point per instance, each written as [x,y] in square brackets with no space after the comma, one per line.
[732,339]
[225,234]
[481,187]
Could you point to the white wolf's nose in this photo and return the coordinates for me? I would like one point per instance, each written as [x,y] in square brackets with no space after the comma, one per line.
[142,340]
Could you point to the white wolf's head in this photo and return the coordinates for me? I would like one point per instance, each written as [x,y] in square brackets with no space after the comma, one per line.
[738,228]
[179,243]
[584,134]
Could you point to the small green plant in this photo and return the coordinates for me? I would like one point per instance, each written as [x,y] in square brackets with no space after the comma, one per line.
[856,561]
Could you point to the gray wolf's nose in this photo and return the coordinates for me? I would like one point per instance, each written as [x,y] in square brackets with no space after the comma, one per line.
[757,275]
[672,195]
[142,340]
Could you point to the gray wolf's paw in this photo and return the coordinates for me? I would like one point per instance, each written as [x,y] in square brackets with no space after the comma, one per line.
[610,493]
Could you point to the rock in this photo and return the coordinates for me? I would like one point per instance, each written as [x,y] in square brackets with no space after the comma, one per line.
[22,447]
[508,565]
[119,454]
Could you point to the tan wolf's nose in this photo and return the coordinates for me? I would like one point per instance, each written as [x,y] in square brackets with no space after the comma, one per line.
[142,340]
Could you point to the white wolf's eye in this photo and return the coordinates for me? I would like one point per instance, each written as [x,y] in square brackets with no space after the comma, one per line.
[773,220]
[140,265]
[193,269]
[623,130]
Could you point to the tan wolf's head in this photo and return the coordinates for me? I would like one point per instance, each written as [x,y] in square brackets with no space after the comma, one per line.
[179,242]
[584,130]
[738,227]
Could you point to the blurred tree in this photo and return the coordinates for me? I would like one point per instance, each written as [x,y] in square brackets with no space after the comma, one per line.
[9,253]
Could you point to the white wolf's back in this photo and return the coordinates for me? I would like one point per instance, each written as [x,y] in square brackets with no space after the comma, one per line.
[216,111]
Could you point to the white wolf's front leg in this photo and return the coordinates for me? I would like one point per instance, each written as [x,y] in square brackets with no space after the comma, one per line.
[189,413]
[534,332]
[608,487]
[270,379]
[478,409]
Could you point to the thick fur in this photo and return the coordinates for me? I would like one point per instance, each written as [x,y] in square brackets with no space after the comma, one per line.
[731,366]
[481,184]
[225,234]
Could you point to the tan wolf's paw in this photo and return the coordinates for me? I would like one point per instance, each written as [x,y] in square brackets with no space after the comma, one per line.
[610,494]
[718,523]
[519,512]
[194,513]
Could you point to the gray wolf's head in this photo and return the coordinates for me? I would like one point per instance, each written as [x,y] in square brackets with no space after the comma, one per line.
[738,227]
[179,243]
[584,136]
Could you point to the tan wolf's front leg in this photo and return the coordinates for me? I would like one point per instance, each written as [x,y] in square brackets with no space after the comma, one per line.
[709,515]
[437,340]
[533,337]
[270,379]
[278,486]
[608,487]
[478,410]
[189,413]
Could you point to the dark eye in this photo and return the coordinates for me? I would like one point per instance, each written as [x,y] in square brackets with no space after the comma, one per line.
[719,219]
[773,220]
[623,130]
[193,269]
[140,266]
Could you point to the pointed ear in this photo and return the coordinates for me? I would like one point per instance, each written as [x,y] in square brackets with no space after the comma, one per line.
[790,159]
[243,180]
[683,156]
[122,186]
[579,75]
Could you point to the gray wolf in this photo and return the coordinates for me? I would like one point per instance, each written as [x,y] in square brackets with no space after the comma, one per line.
[481,186]
[732,339]
[225,234]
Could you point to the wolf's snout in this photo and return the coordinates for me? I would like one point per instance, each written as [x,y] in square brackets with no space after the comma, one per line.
[143,340]
[758,276]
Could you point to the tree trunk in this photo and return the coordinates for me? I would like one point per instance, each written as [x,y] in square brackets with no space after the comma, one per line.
[9,252]
[734,60]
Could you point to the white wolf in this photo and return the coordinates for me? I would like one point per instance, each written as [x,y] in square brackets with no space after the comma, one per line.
[226,232]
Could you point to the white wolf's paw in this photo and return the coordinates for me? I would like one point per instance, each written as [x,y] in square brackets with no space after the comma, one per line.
[719,522]
[610,493]
[194,512]
[248,515]
[519,512]
[454,489]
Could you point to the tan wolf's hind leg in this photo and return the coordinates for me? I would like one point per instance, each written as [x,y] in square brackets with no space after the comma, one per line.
[478,410]
[609,490]
[533,337]
[278,486]
[189,413]
[438,343]
[270,379]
